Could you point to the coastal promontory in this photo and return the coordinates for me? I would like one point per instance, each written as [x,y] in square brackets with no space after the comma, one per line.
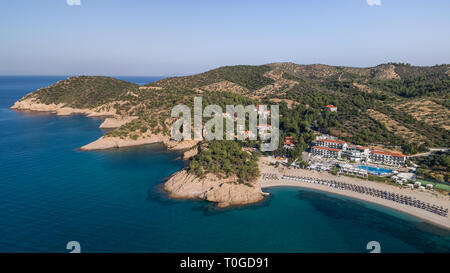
[394,106]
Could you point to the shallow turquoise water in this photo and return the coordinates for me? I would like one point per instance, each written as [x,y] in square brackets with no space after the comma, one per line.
[110,201]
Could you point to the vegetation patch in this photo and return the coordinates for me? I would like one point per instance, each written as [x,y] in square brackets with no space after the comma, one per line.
[436,166]
[85,91]
[226,158]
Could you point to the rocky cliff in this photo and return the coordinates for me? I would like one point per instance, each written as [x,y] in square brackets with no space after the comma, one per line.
[112,120]
[223,191]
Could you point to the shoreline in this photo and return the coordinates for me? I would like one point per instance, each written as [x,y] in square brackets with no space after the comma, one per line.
[110,121]
[423,215]
[343,194]
[111,142]
[222,191]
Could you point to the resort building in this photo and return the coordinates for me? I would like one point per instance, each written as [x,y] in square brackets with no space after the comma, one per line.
[406,176]
[289,143]
[324,136]
[326,152]
[387,158]
[331,143]
[339,148]
[331,108]
[356,153]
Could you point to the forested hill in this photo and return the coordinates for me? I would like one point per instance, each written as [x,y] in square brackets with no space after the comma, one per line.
[401,79]
[395,105]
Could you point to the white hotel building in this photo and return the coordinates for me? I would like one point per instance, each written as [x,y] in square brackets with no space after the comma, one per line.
[356,153]
[337,148]
[387,158]
[326,152]
[331,143]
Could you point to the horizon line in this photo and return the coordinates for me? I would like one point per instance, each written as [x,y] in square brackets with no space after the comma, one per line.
[216,67]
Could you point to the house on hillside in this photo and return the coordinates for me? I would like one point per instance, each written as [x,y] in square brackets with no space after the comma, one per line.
[325,152]
[356,153]
[331,108]
[289,143]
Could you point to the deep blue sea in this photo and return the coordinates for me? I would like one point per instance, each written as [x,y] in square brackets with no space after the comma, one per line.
[110,201]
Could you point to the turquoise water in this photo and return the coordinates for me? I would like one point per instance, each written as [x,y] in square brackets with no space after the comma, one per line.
[110,201]
[375,171]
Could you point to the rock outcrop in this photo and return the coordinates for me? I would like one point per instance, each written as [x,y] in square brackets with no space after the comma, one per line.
[110,123]
[107,142]
[112,120]
[223,191]
[191,153]
[32,104]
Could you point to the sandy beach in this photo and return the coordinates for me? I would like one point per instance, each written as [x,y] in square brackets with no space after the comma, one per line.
[425,196]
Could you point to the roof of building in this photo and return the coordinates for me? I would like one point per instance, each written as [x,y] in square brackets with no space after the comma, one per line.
[325,148]
[333,141]
[387,153]
[356,147]
[330,106]
[409,176]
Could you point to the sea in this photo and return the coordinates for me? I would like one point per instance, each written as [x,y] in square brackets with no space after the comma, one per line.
[51,193]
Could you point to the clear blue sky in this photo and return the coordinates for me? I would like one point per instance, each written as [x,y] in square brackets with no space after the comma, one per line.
[131,37]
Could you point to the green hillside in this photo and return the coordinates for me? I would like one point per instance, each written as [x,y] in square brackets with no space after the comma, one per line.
[250,77]
[399,106]
[85,91]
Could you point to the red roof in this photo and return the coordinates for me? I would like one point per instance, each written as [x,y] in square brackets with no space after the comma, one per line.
[386,153]
[330,106]
[332,141]
[290,141]
[325,148]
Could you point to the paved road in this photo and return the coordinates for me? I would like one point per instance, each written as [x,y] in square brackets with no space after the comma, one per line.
[432,150]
